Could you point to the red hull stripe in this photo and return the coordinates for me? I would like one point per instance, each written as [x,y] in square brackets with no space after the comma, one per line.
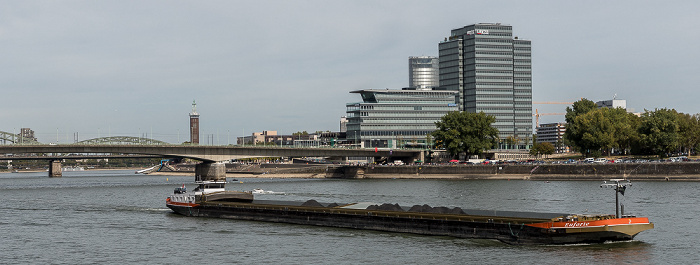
[598,223]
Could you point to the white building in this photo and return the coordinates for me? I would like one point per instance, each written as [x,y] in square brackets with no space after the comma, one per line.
[612,103]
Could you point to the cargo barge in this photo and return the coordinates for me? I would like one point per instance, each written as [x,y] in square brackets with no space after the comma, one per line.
[210,199]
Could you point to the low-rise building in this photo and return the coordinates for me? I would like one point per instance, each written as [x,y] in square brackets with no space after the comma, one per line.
[272,138]
[612,103]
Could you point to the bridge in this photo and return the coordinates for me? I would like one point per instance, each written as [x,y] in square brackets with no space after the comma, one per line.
[209,155]
[6,137]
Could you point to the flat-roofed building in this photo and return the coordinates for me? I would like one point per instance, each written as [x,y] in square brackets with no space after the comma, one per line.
[612,103]
[396,118]
[553,133]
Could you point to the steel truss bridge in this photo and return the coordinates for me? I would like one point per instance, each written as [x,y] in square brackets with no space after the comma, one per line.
[16,139]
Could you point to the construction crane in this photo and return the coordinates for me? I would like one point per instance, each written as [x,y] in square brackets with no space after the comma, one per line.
[552,102]
[538,114]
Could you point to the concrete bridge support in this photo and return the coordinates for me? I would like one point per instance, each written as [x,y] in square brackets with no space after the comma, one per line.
[209,171]
[55,169]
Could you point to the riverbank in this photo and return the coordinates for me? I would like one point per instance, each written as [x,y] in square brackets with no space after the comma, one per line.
[647,172]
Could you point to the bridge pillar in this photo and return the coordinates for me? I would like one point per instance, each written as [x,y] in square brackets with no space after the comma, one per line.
[209,171]
[55,169]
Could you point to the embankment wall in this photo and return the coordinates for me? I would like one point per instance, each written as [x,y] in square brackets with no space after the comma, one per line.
[645,171]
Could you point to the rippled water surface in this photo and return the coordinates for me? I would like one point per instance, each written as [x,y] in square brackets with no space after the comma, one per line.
[119,217]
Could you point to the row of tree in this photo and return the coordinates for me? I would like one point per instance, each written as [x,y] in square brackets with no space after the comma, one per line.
[472,134]
[597,131]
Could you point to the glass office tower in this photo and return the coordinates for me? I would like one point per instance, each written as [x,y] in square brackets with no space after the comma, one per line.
[491,70]
[423,72]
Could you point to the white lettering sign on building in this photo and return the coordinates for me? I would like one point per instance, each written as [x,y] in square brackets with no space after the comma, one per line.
[478,32]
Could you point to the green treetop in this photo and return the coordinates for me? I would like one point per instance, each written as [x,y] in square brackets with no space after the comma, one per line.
[464,132]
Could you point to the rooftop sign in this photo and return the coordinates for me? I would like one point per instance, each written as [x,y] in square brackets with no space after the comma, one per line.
[478,32]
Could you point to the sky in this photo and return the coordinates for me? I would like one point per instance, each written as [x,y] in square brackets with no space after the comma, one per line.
[133,68]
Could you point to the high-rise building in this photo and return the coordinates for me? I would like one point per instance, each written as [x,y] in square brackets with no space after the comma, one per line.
[423,72]
[194,124]
[396,118]
[491,70]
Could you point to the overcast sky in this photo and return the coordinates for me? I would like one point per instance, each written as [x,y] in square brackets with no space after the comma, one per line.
[133,68]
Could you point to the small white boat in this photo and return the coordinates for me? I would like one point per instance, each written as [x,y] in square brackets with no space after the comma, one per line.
[147,170]
[261,191]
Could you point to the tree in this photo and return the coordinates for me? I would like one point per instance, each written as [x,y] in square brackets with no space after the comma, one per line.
[592,130]
[626,129]
[510,141]
[574,130]
[579,107]
[658,131]
[689,132]
[428,140]
[542,149]
[464,132]
[546,148]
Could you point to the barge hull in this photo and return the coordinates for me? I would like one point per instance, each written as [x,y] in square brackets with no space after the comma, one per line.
[505,229]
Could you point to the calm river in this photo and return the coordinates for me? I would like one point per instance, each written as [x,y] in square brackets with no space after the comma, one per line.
[118,217]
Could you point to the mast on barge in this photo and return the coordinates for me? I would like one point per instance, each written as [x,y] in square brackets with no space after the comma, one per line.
[620,186]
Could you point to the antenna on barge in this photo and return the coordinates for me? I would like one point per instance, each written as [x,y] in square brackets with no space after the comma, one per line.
[620,186]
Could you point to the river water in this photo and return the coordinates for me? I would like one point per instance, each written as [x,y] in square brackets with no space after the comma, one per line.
[119,217]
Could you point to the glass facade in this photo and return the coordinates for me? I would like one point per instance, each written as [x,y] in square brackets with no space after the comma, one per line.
[397,118]
[423,72]
[492,73]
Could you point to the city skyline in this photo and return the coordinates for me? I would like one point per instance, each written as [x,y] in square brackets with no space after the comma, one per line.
[113,68]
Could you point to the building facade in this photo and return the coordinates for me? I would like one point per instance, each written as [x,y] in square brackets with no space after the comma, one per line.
[194,124]
[272,138]
[396,118]
[491,71]
[612,103]
[553,133]
[423,72]
[343,124]
[27,133]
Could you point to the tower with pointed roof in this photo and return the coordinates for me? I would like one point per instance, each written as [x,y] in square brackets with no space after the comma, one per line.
[194,124]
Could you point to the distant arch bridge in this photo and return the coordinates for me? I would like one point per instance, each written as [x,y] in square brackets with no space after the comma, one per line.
[122,140]
[11,138]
